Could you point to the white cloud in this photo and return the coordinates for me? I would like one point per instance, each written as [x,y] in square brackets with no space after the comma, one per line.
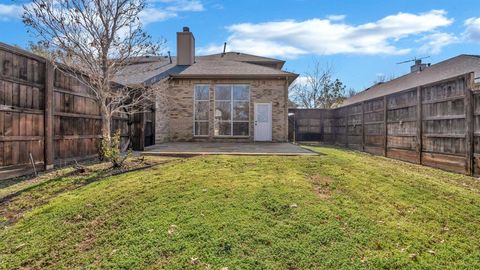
[10,12]
[186,5]
[254,46]
[151,15]
[156,10]
[436,41]
[301,80]
[472,31]
[291,38]
[336,17]
[161,10]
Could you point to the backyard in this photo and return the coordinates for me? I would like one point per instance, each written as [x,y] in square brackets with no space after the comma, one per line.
[341,209]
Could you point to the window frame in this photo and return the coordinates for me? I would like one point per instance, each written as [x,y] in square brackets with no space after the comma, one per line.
[232,101]
[195,109]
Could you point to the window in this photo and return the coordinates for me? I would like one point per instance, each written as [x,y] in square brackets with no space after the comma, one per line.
[201,110]
[232,110]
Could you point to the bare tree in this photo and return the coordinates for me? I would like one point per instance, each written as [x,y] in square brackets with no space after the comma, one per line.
[382,78]
[93,41]
[317,88]
[351,92]
[292,104]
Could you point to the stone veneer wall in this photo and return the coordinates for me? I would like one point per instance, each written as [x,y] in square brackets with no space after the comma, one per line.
[174,119]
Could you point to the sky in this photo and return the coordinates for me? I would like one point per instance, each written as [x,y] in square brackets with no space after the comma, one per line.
[362,40]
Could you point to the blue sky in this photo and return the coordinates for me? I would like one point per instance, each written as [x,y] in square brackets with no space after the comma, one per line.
[360,39]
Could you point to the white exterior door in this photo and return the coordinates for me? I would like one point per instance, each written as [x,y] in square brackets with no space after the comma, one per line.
[263,122]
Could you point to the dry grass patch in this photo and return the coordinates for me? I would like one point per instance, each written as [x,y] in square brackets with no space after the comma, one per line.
[322,185]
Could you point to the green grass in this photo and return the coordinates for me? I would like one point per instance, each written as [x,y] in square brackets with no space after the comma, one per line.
[342,209]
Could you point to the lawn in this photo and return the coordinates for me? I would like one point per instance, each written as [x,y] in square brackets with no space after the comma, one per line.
[342,209]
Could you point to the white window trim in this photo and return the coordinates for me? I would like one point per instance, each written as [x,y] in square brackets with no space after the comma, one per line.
[195,109]
[231,100]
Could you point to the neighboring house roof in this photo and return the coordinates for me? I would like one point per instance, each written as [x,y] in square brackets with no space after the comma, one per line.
[449,68]
[150,70]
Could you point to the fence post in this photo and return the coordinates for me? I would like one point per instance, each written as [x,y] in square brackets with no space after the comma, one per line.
[295,127]
[419,125]
[346,126]
[48,117]
[385,126]
[363,126]
[469,124]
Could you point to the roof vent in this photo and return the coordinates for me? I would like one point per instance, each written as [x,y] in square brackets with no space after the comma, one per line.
[224,48]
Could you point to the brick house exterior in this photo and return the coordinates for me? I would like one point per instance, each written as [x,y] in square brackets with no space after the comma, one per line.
[216,97]
[174,112]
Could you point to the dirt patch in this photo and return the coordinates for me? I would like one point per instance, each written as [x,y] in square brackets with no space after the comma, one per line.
[87,243]
[90,238]
[322,185]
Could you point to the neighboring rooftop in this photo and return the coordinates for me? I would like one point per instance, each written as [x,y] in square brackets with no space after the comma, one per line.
[449,68]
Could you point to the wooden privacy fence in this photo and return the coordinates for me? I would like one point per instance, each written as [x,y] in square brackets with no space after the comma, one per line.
[437,125]
[307,124]
[46,117]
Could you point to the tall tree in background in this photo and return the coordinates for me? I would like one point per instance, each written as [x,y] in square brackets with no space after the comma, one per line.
[317,88]
[39,48]
[93,40]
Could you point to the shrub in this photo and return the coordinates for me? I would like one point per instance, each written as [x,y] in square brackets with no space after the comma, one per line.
[110,150]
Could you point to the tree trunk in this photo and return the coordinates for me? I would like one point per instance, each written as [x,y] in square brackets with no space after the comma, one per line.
[106,132]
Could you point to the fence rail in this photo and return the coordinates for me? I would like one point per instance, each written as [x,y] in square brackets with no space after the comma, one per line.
[437,125]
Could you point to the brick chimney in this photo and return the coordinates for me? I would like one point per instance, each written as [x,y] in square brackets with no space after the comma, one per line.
[419,66]
[185,47]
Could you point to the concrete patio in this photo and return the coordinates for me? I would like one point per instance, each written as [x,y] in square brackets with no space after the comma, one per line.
[208,148]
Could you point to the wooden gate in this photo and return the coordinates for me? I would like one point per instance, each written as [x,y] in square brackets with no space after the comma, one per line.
[143,130]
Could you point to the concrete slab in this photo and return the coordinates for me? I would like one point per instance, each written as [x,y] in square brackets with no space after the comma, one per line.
[211,148]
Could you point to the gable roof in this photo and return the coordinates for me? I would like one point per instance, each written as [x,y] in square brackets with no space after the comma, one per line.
[449,68]
[150,70]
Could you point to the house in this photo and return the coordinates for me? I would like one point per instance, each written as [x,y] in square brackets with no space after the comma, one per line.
[225,97]
[421,74]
